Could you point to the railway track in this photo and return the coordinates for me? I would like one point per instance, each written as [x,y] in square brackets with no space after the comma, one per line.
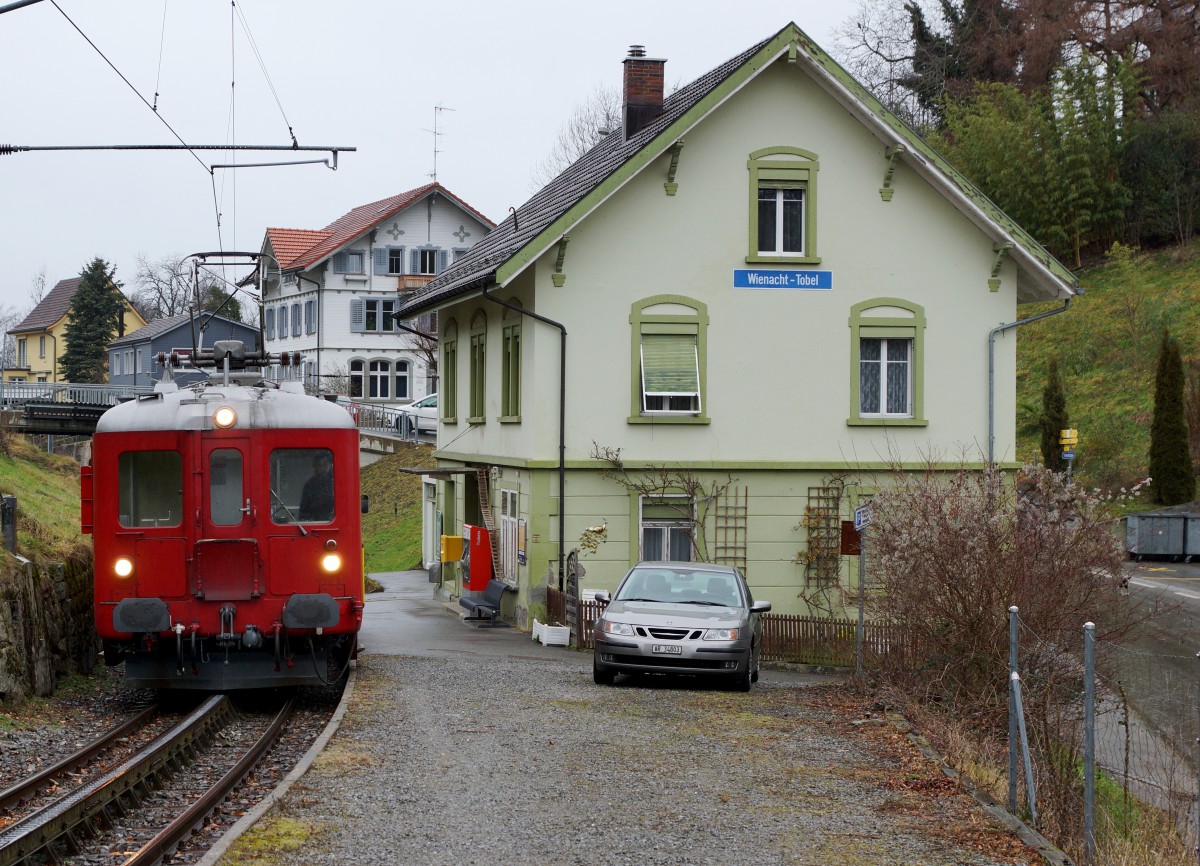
[137,811]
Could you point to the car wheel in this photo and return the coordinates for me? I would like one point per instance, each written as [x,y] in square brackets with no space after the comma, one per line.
[754,674]
[602,676]
[741,681]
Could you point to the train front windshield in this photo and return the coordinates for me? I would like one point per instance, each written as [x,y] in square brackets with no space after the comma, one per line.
[150,488]
[302,485]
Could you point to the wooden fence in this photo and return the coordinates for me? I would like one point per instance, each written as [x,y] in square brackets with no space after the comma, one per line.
[786,637]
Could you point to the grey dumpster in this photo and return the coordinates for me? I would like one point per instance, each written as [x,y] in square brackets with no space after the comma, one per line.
[1157,534]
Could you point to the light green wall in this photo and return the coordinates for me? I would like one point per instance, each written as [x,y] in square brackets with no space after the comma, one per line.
[778,362]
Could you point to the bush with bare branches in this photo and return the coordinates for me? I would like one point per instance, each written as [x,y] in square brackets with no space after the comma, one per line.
[954,550]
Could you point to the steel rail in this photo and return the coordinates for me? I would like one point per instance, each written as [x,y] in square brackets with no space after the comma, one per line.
[165,843]
[26,788]
[59,820]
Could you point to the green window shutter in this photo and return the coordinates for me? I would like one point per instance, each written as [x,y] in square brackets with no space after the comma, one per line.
[669,365]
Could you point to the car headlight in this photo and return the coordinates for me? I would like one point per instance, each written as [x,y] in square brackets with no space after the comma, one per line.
[331,562]
[123,566]
[620,628]
[721,634]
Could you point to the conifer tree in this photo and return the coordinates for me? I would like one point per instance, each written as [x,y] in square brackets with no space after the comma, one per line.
[1171,478]
[92,324]
[1054,418]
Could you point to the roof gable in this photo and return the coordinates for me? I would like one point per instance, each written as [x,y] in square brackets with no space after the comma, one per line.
[322,244]
[157,327]
[584,185]
[290,245]
[51,308]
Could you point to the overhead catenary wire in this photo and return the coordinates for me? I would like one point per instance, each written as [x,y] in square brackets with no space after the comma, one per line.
[266,75]
[154,111]
[162,41]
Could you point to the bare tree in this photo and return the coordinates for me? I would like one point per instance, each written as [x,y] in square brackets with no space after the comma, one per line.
[162,288]
[875,45]
[426,343]
[589,122]
[37,288]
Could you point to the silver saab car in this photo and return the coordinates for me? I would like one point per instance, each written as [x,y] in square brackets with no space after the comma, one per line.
[680,618]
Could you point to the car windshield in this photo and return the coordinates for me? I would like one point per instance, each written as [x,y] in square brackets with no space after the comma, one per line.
[681,586]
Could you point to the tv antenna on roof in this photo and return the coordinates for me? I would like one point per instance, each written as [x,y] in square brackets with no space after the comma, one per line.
[437,109]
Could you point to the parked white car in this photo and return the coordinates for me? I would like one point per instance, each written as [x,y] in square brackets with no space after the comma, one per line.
[420,415]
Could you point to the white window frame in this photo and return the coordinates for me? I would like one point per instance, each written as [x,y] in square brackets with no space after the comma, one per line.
[379,376]
[780,210]
[667,526]
[509,517]
[395,254]
[402,373]
[382,309]
[432,261]
[671,402]
[884,369]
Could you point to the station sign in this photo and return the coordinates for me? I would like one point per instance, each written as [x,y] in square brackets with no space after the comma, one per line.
[770,278]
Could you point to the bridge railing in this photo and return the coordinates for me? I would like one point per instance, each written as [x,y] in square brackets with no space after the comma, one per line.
[20,393]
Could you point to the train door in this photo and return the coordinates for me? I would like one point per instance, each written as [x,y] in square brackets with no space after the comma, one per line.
[227,557]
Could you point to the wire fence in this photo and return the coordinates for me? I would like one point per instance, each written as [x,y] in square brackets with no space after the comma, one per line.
[1128,757]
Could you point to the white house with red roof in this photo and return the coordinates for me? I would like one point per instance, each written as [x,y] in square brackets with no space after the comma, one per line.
[340,286]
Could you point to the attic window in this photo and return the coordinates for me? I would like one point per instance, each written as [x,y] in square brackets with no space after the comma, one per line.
[783,203]
[350,262]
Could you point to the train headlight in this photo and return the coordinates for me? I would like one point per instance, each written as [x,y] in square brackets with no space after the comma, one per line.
[123,566]
[225,417]
[331,562]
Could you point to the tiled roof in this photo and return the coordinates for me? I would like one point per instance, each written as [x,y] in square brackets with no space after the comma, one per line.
[478,265]
[155,327]
[358,221]
[290,244]
[552,206]
[51,308]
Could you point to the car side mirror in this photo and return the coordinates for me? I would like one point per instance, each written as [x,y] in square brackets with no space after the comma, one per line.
[603,597]
[365,503]
[760,607]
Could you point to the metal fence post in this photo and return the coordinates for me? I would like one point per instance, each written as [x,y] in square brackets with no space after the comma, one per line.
[1012,711]
[8,518]
[1198,768]
[1030,785]
[862,592]
[1089,743]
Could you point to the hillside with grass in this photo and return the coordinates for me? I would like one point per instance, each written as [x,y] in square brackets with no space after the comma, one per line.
[1107,346]
[47,490]
[392,528]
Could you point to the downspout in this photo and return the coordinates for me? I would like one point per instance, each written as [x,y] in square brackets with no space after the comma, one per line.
[562,426]
[992,371]
[320,299]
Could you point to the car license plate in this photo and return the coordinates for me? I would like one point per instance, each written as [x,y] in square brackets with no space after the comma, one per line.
[669,649]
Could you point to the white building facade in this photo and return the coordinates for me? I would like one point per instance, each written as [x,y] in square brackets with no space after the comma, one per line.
[340,286]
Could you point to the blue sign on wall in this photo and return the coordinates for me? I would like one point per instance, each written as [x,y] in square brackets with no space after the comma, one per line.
[773,279]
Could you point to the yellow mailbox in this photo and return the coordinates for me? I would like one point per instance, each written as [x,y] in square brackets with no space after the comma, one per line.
[452,548]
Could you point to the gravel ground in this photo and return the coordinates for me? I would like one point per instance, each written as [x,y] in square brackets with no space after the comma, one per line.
[524,760]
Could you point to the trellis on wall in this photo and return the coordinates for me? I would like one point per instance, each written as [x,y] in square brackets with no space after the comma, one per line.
[731,509]
[822,525]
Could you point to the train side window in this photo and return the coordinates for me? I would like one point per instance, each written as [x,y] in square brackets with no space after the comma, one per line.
[225,487]
[150,488]
[302,485]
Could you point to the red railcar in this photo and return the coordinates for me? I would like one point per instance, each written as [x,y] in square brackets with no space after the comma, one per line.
[226,520]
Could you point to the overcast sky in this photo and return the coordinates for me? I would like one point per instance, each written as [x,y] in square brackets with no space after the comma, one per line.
[362,74]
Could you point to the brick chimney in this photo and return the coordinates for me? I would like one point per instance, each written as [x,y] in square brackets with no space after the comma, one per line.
[643,90]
